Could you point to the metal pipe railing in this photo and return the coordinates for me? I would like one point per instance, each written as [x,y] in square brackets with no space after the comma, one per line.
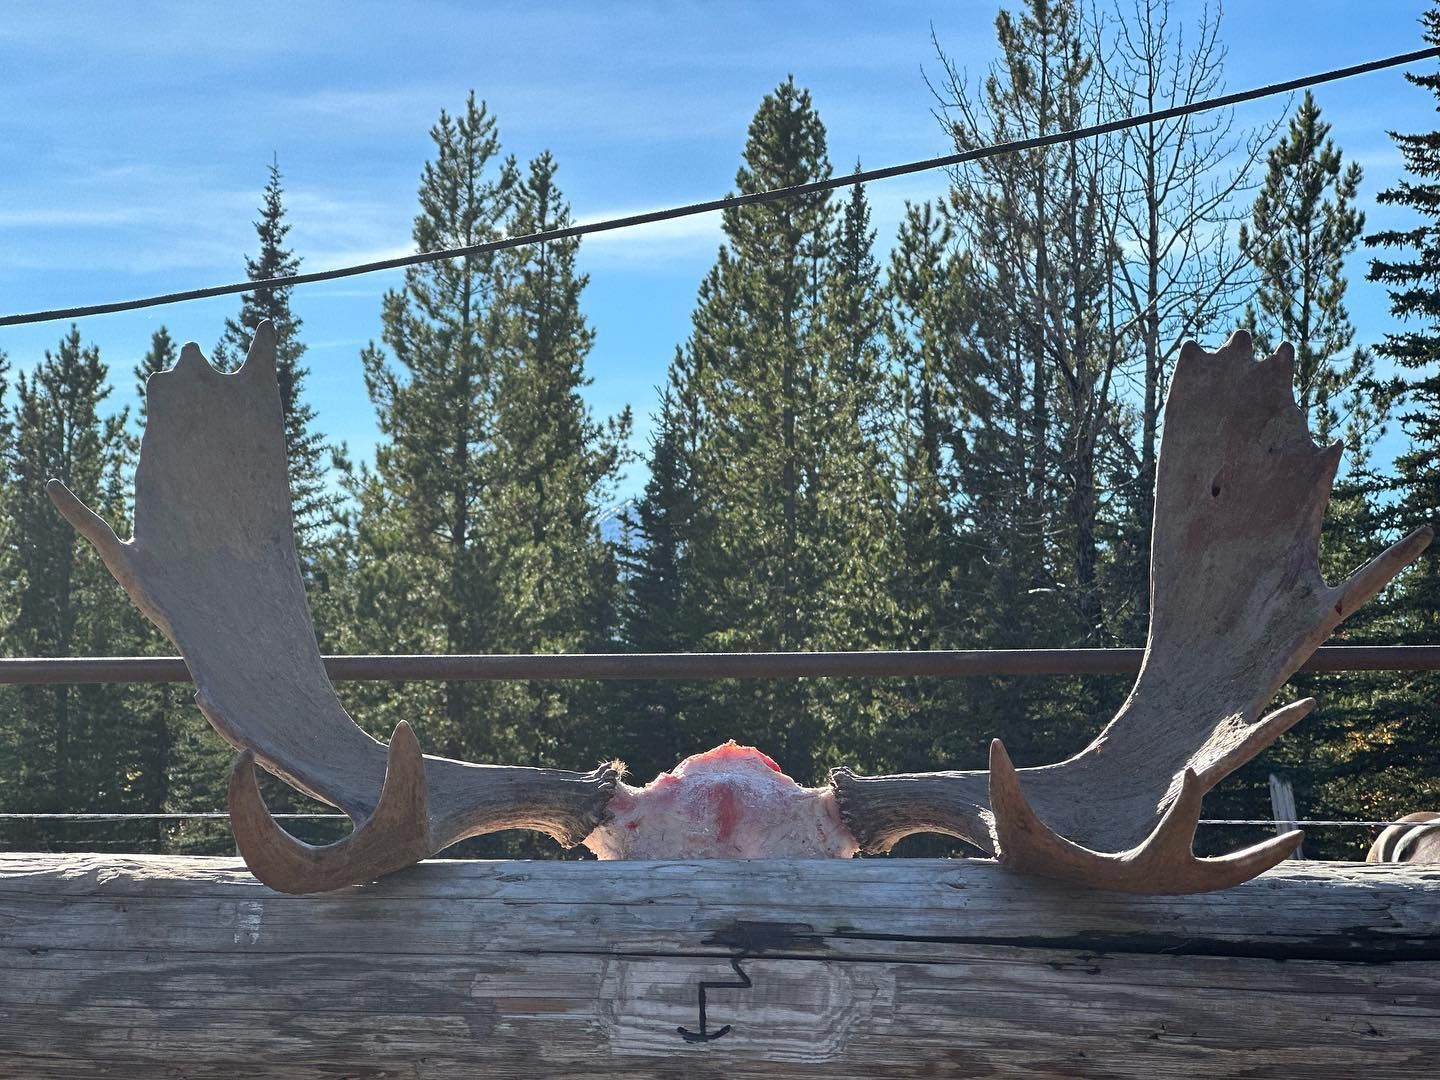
[729,665]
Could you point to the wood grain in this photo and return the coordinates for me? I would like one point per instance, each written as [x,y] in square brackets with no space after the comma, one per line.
[158,967]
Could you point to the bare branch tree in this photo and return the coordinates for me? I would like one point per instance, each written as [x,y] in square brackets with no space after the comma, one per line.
[1173,207]
[1035,227]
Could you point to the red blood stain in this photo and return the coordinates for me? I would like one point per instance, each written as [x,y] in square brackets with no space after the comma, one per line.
[727,811]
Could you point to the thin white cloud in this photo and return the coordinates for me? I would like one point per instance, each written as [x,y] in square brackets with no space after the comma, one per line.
[347,344]
[125,215]
[579,110]
[350,292]
[410,108]
[677,240]
[55,217]
[684,240]
[336,258]
[333,228]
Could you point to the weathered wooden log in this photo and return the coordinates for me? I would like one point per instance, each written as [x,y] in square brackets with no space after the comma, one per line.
[121,966]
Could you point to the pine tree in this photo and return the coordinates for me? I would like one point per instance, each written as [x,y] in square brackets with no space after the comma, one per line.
[161,356]
[857,313]
[76,747]
[762,374]
[7,429]
[556,586]
[1394,772]
[660,608]
[420,567]
[11,762]
[659,613]
[1304,224]
[1032,223]
[769,516]
[931,328]
[7,432]
[313,500]
[930,325]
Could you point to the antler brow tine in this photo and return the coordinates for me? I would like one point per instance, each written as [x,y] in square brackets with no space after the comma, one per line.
[395,836]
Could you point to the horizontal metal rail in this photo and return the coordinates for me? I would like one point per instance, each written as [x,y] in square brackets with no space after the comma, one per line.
[870,664]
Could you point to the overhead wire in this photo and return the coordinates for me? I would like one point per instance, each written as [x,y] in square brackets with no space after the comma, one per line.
[731,201]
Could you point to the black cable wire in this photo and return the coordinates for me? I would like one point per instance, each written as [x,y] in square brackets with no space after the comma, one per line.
[752,199]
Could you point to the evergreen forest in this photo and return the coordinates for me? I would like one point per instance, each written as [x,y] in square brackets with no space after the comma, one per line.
[943,439]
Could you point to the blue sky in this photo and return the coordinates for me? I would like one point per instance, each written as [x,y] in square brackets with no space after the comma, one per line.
[134,140]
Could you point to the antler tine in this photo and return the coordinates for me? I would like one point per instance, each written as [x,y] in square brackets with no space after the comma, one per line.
[396,835]
[1380,571]
[1163,863]
[1256,739]
[111,549]
[87,523]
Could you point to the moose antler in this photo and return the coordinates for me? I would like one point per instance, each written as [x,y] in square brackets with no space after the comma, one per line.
[213,565]
[1237,604]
